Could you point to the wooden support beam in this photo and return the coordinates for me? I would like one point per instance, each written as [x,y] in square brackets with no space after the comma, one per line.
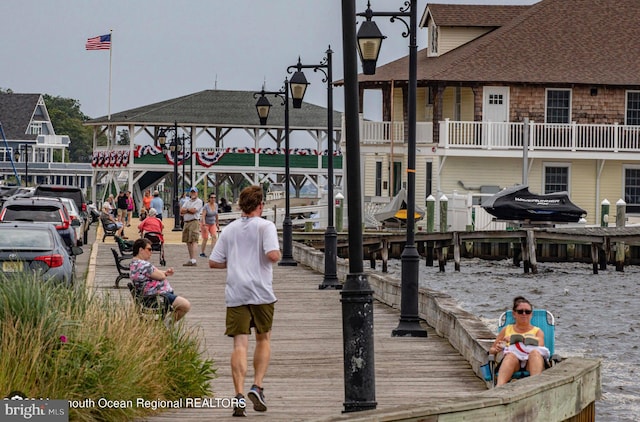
[456,251]
[594,257]
[531,247]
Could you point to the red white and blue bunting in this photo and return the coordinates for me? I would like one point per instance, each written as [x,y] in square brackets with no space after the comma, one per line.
[120,158]
[114,158]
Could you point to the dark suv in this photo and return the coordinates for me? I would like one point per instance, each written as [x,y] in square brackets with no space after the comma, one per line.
[41,210]
[70,192]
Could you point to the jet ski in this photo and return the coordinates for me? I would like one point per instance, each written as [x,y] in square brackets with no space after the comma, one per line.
[516,203]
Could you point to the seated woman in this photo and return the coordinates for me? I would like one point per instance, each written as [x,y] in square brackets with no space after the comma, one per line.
[151,224]
[521,344]
[109,221]
[153,281]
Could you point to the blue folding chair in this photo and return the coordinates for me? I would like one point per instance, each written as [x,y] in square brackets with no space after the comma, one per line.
[542,319]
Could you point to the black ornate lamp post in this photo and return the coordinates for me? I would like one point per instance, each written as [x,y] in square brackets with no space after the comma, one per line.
[24,148]
[369,43]
[356,294]
[263,106]
[174,147]
[330,235]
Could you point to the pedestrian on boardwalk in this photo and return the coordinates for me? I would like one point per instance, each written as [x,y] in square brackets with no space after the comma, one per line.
[157,204]
[109,222]
[129,208]
[151,224]
[152,281]
[146,200]
[248,247]
[224,205]
[122,207]
[190,212]
[521,344]
[209,224]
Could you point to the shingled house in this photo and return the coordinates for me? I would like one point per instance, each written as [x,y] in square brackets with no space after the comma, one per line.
[569,67]
[27,129]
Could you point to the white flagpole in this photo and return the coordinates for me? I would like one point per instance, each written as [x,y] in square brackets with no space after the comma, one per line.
[110,55]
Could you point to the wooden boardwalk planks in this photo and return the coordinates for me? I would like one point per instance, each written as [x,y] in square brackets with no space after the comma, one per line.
[305,379]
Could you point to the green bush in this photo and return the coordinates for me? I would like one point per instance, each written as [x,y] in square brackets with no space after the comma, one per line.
[63,343]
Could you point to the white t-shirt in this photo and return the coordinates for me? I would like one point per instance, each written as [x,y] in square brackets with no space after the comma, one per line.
[243,245]
[192,203]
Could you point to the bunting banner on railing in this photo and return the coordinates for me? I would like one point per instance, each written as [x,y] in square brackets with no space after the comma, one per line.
[113,158]
[207,158]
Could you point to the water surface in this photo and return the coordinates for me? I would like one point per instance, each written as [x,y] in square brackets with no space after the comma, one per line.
[597,316]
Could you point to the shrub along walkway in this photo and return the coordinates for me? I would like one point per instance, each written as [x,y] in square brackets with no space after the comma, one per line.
[305,379]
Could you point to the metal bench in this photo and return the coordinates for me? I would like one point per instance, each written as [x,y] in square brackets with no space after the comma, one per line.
[123,270]
[152,307]
[109,231]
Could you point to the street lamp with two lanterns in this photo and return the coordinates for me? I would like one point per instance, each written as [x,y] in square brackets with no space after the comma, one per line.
[175,147]
[297,85]
[369,42]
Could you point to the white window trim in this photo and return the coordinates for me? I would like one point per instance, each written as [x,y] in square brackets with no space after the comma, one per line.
[546,97]
[623,185]
[556,164]
[626,103]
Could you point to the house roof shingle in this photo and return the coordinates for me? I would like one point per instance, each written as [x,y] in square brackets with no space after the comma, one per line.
[553,41]
[219,108]
[16,111]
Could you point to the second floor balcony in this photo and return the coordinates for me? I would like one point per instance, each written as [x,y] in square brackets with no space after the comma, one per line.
[508,138]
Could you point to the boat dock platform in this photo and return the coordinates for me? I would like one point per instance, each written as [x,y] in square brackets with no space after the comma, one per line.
[595,245]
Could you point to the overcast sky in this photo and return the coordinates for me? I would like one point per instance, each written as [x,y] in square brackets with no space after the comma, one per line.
[167,48]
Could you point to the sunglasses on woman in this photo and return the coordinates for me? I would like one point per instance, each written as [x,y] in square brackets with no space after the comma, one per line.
[523,311]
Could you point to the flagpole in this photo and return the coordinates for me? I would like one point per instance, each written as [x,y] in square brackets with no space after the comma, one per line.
[110,56]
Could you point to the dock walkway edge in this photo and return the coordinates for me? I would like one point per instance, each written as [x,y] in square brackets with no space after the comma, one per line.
[569,390]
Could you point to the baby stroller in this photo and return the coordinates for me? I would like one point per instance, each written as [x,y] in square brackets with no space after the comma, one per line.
[157,244]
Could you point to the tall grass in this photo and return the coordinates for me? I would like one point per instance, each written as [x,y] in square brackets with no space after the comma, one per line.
[62,343]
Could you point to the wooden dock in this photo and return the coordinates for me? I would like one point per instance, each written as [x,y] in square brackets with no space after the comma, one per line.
[305,379]
[595,245]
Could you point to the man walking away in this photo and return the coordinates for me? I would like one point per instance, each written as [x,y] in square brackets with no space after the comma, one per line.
[248,247]
[157,204]
[190,212]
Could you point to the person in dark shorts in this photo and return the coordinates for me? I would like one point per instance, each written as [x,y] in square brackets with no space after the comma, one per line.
[248,247]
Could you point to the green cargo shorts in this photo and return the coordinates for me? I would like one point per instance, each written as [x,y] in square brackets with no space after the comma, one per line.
[240,319]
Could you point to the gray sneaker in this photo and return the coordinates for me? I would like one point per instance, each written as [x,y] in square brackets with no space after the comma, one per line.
[256,395]
[189,264]
[239,409]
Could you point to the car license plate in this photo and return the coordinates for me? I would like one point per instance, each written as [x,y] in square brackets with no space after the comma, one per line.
[12,266]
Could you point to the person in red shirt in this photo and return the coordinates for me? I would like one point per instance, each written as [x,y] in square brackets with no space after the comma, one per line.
[151,224]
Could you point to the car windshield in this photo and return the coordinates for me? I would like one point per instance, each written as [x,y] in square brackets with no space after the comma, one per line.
[13,238]
[41,214]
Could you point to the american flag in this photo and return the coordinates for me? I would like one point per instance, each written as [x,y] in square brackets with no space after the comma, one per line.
[101,42]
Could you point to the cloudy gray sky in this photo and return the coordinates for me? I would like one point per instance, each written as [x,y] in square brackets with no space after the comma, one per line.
[167,48]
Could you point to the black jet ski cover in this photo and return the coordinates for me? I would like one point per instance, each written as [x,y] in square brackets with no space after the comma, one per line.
[517,203]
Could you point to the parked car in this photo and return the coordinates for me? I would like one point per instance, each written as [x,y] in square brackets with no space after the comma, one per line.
[27,248]
[74,214]
[73,192]
[41,210]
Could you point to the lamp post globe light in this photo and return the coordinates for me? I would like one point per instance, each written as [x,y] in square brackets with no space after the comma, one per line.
[174,148]
[23,149]
[369,43]
[263,106]
[330,279]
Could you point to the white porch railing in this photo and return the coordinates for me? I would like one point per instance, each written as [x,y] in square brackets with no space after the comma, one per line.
[509,135]
[380,132]
[563,137]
